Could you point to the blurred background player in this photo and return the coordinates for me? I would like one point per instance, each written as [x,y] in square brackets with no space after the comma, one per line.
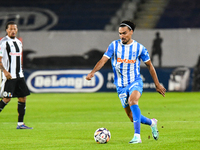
[125,55]
[157,49]
[13,83]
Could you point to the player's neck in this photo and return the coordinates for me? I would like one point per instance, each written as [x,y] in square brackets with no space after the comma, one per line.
[129,42]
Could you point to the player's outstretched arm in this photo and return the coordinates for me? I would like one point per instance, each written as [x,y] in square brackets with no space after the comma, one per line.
[97,67]
[159,88]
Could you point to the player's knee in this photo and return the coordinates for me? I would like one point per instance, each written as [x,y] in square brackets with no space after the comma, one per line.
[6,100]
[22,99]
[133,102]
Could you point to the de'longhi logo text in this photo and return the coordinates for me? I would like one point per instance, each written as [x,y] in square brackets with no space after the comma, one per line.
[64,81]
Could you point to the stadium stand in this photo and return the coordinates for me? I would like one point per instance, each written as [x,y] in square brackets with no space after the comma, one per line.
[72,14]
[127,11]
[181,14]
[100,15]
[149,13]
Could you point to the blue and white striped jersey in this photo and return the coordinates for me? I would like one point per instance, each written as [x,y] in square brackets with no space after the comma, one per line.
[125,61]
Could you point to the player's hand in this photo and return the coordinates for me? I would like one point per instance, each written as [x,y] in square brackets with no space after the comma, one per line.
[160,89]
[89,76]
[7,74]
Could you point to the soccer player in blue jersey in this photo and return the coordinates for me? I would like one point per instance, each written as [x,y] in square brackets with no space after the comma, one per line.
[125,55]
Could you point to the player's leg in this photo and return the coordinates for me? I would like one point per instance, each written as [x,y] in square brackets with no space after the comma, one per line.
[133,103]
[129,113]
[7,88]
[153,124]
[123,96]
[154,129]
[21,92]
[144,120]
[135,91]
[137,118]
[21,109]
[3,103]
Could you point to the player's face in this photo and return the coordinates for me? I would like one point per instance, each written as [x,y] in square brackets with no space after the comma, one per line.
[12,30]
[125,35]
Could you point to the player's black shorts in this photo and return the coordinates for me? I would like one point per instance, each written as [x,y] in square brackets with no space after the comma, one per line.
[14,88]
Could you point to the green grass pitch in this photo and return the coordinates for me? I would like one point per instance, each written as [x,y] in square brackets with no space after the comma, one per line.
[67,121]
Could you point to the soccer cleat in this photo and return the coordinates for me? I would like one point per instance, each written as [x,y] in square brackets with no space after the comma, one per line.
[23,127]
[154,129]
[135,140]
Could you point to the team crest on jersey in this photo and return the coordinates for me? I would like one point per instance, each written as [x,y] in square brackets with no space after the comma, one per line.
[133,54]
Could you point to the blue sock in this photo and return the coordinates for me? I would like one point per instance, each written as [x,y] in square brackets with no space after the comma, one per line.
[136,117]
[145,120]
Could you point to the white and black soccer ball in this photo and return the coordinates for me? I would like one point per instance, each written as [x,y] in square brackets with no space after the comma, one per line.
[102,135]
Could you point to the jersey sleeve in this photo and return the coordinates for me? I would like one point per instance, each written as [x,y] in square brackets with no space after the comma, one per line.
[144,55]
[2,47]
[110,51]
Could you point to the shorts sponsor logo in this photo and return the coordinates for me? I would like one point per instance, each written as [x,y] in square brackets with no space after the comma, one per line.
[7,94]
[122,95]
[123,99]
[64,81]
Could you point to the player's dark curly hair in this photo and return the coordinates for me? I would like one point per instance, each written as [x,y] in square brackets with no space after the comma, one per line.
[130,24]
[10,22]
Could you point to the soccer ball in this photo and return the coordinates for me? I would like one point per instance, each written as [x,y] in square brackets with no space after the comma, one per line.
[102,135]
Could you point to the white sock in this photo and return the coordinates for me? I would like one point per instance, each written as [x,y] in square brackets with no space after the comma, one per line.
[153,123]
[137,135]
[20,123]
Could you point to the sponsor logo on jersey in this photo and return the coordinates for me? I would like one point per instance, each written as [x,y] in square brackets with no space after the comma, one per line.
[64,81]
[125,61]
[15,54]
